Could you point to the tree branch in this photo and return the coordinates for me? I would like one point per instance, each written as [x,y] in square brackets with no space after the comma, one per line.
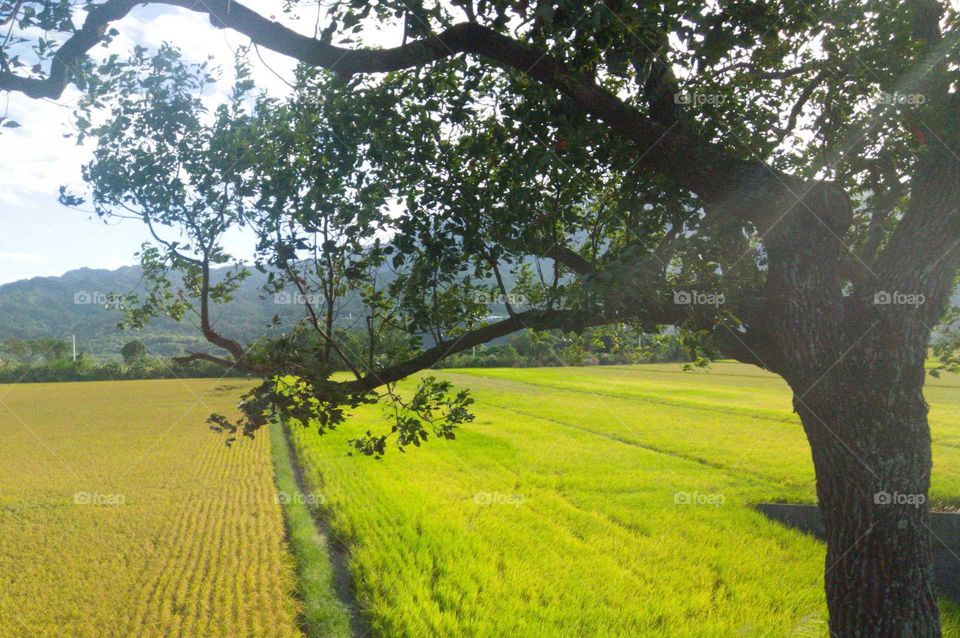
[802,100]
[234,348]
[532,319]
[923,253]
[676,152]
[569,258]
[71,54]
[226,363]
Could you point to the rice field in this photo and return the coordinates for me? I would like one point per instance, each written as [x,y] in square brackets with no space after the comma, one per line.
[122,514]
[600,502]
[606,501]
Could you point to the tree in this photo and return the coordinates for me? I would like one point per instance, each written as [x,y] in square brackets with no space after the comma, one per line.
[133,352]
[779,180]
[49,349]
[18,349]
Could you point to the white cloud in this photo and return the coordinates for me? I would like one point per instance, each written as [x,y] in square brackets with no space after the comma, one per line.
[30,258]
[42,237]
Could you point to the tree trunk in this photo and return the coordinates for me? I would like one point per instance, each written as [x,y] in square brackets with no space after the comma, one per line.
[871,450]
[855,363]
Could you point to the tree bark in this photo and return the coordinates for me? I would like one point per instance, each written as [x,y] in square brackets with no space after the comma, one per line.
[856,368]
[871,451]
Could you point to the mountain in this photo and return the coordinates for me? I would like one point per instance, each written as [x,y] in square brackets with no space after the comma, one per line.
[73,304]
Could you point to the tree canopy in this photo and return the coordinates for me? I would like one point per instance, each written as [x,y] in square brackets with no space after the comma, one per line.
[624,163]
[133,352]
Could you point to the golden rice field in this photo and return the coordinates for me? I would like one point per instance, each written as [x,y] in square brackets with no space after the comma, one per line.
[121,514]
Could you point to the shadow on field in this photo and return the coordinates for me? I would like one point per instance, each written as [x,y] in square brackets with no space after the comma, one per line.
[944,533]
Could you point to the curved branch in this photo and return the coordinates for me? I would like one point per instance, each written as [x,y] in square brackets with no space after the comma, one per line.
[801,102]
[569,258]
[532,319]
[233,347]
[71,54]
[569,320]
[166,244]
[677,152]
[226,363]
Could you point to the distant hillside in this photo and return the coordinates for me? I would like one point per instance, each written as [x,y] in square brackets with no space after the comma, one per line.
[72,304]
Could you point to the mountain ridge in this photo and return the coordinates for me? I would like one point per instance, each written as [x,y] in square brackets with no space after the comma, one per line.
[72,304]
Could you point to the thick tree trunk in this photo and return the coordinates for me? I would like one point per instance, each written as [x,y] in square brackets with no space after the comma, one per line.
[855,365]
[871,451]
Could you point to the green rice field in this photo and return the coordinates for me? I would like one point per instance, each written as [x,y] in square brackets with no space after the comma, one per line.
[602,501]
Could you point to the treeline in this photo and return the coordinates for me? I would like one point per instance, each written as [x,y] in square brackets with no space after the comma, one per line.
[84,370]
[50,360]
[593,347]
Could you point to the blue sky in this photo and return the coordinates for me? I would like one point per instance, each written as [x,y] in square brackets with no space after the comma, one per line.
[40,237]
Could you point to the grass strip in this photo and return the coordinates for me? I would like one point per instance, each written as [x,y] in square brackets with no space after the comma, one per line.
[324,614]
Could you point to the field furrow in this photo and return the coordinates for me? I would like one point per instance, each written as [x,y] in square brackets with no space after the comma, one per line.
[122,514]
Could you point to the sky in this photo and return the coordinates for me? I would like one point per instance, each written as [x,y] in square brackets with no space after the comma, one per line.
[39,236]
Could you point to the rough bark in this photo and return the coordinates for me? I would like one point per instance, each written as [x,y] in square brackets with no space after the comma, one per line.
[856,368]
[871,451]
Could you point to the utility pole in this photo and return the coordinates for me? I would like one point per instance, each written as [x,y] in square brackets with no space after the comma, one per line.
[74,338]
